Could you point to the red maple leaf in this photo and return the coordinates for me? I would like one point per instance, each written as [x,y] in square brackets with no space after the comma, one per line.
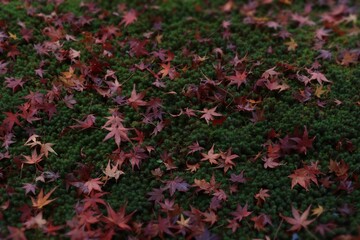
[139,136]
[10,120]
[228,157]
[324,228]
[93,199]
[238,178]
[208,187]
[275,85]
[240,212]
[261,196]
[14,83]
[340,169]
[274,151]
[322,33]
[302,177]
[118,132]
[16,233]
[269,162]
[137,48]
[118,219]
[156,195]
[178,184]
[7,140]
[237,79]
[163,226]
[233,225]
[129,17]
[87,123]
[13,51]
[261,221]
[298,221]
[195,147]
[69,101]
[210,217]
[135,99]
[28,112]
[136,155]
[319,77]
[270,73]
[304,142]
[303,21]
[27,34]
[51,230]
[114,120]
[220,194]
[53,33]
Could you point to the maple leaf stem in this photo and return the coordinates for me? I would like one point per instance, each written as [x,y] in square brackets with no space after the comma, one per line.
[311,234]
[277,230]
[91,104]
[232,100]
[127,79]
[247,223]
[21,169]
[218,226]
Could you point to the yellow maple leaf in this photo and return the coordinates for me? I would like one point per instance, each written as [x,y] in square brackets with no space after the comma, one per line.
[112,172]
[317,211]
[260,20]
[32,141]
[183,222]
[158,38]
[13,36]
[70,79]
[287,2]
[292,45]
[352,18]
[320,91]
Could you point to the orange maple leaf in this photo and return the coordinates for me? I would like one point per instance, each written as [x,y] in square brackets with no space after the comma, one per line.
[46,148]
[165,71]
[33,159]
[210,156]
[42,200]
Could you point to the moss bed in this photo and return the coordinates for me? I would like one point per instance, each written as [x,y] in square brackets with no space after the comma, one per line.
[179,119]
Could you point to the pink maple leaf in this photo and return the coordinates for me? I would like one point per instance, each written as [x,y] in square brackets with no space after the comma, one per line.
[298,222]
[209,114]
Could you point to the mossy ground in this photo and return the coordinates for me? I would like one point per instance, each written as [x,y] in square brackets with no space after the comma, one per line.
[181,21]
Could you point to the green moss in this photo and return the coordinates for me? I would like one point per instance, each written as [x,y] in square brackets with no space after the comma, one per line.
[181,22]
